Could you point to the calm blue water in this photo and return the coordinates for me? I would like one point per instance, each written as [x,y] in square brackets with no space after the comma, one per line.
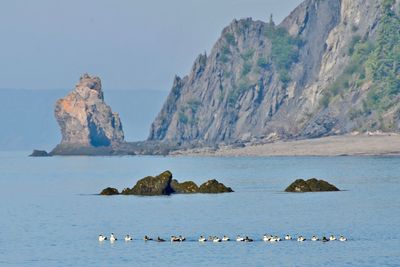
[49,215]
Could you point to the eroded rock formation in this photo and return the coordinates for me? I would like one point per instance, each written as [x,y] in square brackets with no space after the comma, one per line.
[85,119]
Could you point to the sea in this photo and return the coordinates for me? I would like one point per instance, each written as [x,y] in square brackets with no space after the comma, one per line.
[51,213]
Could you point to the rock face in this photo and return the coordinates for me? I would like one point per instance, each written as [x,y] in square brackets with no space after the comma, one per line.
[187,187]
[307,77]
[85,119]
[214,187]
[152,186]
[39,153]
[311,185]
[109,191]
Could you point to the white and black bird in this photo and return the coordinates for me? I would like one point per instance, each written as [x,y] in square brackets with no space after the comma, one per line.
[267,238]
[216,239]
[113,238]
[225,238]
[128,238]
[314,238]
[102,238]
[146,238]
[301,238]
[202,239]
[239,238]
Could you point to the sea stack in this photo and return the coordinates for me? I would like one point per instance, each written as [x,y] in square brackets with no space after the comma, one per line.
[86,121]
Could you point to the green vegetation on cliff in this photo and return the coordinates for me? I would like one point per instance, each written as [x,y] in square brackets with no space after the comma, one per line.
[377,63]
[284,50]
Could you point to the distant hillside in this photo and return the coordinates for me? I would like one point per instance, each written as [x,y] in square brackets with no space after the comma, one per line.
[28,121]
[331,67]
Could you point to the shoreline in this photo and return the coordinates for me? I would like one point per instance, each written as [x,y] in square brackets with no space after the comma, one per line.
[344,145]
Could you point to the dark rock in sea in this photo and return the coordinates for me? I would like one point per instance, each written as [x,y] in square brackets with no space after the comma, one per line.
[311,185]
[214,187]
[187,187]
[39,153]
[163,184]
[152,186]
[109,191]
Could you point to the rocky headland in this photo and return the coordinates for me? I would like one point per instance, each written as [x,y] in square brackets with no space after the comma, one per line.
[163,184]
[331,68]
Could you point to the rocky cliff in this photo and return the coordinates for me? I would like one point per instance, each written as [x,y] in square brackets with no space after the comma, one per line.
[320,72]
[85,119]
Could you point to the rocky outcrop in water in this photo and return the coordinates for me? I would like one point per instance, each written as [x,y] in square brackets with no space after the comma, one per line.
[311,185]
[214,187]
[313,75]
[188,187]
[39,153]
[109,191]
[152,186]
[86,121]
[163,184]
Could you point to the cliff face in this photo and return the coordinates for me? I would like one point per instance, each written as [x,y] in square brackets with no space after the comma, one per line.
[266,82]
[85,119]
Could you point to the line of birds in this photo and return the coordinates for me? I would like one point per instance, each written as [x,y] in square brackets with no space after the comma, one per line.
[216,239]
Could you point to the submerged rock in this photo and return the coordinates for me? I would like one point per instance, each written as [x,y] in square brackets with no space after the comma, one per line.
[214,187]
[152,186]
[109,191]
[188,187]
[39,153]
[311,185]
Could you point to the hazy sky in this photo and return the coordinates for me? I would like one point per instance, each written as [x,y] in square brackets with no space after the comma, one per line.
[130,44]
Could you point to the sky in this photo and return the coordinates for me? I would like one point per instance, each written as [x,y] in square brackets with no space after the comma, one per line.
[130,44]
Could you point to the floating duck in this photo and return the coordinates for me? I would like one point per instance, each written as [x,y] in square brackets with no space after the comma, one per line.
[225,238]
[288,237]
[202,239]
[332,238]
[267,238]
[113,238]
[216,239]
[275,239]
[159,239]
[128,238]
[324,239]
[102,238]
[239,238]
[175,239]
[248,239]
[146,238]
[181,238]
[301,238]
[314,238]
[342,238]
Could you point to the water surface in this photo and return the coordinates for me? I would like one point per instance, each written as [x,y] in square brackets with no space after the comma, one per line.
[50,215]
